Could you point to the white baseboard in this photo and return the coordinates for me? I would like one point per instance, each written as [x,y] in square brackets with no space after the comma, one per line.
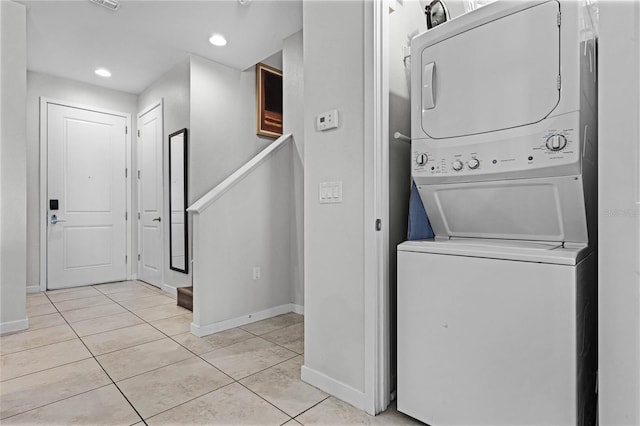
[298,309]
[11,326]
[334,387]
[205,330]
[171,290]
[33,288]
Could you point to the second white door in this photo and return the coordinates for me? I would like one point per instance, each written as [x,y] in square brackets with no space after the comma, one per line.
[151,240]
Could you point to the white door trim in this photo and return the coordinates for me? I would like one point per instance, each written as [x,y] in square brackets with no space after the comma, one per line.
[376,193]
[44,102]
[150,107]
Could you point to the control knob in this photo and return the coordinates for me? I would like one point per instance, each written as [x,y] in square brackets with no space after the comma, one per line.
[473,163]
[556,142]
[421,159]
[457,165]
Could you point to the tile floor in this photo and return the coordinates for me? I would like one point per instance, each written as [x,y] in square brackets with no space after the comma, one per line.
[122,353]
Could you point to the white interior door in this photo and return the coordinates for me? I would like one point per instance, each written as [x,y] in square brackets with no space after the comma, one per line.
[86,201]
[151,241]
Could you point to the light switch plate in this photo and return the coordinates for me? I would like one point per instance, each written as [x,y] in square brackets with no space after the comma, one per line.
[327,120]
[330,192]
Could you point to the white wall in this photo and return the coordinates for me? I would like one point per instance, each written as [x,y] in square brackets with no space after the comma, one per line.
[334,233]
[619,213]
[249,226]
[223,124]
[174,88]
[293,105]
[48,86]
[13,166]
[253,224]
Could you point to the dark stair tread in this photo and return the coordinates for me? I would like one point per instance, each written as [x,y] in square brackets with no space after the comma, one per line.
[185,290]
[185,297]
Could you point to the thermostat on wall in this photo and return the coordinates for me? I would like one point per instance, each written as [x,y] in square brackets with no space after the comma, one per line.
[327,120]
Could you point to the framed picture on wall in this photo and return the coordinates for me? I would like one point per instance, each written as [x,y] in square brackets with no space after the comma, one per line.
[268,101]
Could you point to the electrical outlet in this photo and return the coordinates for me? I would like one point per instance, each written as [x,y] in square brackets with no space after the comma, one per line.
[256,273]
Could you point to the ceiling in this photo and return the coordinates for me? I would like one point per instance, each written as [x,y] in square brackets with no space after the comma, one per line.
[144,39]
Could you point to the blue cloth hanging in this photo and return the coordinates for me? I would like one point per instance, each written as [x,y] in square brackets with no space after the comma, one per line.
[419,226]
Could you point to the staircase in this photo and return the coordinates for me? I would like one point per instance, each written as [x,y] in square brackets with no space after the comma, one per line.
[185,297]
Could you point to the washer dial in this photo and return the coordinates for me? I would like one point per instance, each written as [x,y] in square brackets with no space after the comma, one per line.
[421,159]
[457,165]
[473,163]
[556,142]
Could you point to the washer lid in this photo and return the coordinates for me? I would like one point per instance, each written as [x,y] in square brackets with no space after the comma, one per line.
[525,251]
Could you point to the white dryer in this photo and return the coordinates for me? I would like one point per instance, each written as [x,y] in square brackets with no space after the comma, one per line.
[497,315]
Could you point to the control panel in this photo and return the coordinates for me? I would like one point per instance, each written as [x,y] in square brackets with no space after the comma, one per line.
[553,147]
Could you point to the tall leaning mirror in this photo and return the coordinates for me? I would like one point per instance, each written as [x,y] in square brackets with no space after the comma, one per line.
[178,236]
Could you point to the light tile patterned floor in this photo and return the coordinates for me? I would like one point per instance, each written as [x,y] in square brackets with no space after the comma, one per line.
[122,354]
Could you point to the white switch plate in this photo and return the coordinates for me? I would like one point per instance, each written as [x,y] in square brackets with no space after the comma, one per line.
[330,192]
[327,120]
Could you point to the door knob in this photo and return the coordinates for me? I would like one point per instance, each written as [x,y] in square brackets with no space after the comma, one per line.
[54,219]
[157,219]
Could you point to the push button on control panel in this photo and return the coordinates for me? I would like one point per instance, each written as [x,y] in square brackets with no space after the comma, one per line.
[556,142]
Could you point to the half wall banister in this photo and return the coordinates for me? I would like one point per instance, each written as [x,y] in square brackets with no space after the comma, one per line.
[242,241]
[207,199]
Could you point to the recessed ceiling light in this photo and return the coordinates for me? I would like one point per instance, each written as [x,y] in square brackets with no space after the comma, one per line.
[103,72]
[218,40]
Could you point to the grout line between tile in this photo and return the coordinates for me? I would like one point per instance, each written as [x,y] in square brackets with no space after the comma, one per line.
[46,369]
[266,400]
[106,331]
[55,402]
[126,347]
[106,373]
[96,286]
[314,405]
[295,354]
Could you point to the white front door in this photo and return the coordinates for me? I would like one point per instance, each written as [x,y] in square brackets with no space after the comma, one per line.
[151,241]
[86,187]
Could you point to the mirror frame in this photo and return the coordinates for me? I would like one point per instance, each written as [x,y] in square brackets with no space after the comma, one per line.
[184,270]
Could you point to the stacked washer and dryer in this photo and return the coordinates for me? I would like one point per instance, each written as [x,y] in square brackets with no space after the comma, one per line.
[497,315]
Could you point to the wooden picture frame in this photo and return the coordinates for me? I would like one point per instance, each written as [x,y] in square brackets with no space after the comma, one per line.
[268,101]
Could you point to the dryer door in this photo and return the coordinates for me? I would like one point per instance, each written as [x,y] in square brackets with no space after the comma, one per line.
[498,75]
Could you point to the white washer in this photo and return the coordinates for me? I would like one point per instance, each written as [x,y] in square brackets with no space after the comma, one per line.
[497,315]
[495,332]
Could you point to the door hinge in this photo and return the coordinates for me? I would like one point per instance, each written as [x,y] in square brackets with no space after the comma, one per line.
[138,257]
[138,215]
[138,133]
[126,130]
[138,174]
[559,81]
[378,224]
[126,259]
[559,18]
[126,173]
[126,215]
